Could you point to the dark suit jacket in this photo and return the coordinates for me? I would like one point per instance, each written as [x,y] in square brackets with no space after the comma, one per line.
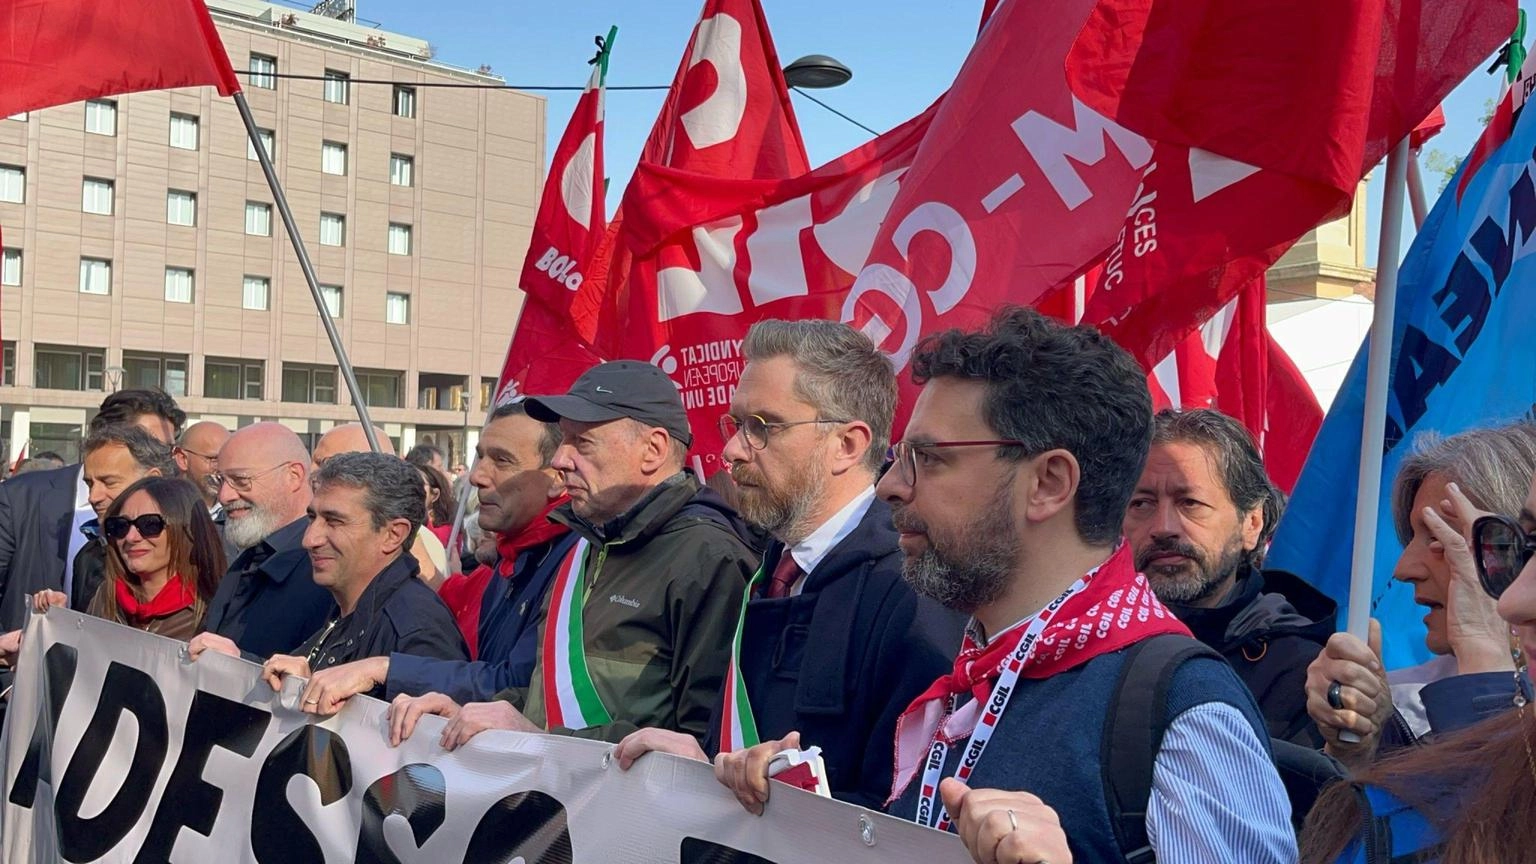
[268,602]
[37,515]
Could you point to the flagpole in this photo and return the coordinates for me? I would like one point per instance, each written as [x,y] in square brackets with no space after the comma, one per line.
[1373,433]
[342,363]
[1416,191]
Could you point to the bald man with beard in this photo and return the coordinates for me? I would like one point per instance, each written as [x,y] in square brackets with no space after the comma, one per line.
[350,438]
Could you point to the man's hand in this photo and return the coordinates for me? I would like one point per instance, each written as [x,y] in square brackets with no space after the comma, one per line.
[406,710]
[1363,692]
[476,717]
[10,648]
[1479,637]
[329,689]
[45,599]
[1000,827]
[643,741]
[281,665]
[212,642]
[745,772]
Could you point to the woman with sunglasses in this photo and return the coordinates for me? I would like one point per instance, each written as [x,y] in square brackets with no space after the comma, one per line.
[165,559]
[1440,490]
[1469,797]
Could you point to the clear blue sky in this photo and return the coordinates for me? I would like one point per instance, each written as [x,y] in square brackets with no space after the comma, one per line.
[904,54]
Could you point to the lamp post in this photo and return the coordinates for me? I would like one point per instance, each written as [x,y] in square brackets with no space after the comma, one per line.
[817,72]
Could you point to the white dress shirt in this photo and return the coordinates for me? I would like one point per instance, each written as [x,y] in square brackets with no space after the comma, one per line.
[83,514]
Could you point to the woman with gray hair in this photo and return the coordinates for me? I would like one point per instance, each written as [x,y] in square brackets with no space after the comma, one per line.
[1441,488]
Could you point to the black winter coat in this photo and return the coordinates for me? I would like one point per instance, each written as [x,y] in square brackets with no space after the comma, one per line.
[843,659]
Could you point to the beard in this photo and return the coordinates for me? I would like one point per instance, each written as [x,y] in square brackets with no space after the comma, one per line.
[970,569]
[784,511]
[252,528]
[1196,578]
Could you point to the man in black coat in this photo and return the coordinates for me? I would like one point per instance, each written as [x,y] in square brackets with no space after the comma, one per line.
[834,645]
[366,510]
[1200,518]
[41,512]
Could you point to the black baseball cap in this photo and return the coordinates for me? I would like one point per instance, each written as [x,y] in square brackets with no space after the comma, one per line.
[622,388]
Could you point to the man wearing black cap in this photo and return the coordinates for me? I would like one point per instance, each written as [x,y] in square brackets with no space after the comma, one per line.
[642,612]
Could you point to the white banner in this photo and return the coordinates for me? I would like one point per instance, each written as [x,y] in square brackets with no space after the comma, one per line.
[118,748]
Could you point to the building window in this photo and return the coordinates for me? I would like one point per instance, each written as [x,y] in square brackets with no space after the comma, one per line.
[263,70]
[397,308]
[333,158]
[184,131]
[336,86]
[10,267]
[487,393]
[399,239]
[95,276]
[180,207]
[313,384]
[147,371]
[258,219]
[101,117]
[333,229]
[96,196]
[178,285]
[332,296]
[13,184]
[68,368]
[381,388]
[232,379]
[405,101]
[268,143]
[8,365]
[257,293]
[402,170]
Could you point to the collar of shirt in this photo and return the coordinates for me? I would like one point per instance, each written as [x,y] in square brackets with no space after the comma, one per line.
[82,492]
[809,552]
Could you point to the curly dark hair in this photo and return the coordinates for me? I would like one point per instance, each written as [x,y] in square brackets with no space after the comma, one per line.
[1056,387]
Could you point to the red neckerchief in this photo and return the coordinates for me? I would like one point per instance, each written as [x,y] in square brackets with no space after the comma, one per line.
[174,596]
[464,592]
[1114,610]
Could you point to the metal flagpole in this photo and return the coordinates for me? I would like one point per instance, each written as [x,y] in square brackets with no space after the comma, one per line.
[342,363]
[1373,433]
[1416,191]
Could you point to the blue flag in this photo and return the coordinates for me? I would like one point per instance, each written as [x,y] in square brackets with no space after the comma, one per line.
[1463,357]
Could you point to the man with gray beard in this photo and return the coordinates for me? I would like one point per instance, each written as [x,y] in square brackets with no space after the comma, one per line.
[832,645]
[268,602]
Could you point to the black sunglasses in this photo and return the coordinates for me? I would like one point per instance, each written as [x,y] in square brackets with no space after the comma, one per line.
[150,525]
[1500,549]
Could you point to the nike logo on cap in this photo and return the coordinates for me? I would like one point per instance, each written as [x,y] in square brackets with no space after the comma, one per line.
[602,389]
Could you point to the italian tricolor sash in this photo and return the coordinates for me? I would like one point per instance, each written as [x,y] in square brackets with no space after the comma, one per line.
[570,697]
[738,729]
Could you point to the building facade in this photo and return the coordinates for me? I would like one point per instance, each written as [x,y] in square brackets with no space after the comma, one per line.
[143,246]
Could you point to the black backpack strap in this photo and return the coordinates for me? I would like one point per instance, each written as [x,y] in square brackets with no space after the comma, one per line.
[1133,734]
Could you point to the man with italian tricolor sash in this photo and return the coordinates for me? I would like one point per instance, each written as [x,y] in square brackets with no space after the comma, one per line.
[831,645]
[1008,490]
[641,612]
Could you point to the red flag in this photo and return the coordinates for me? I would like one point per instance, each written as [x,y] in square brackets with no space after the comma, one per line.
[1257,142]
[1428,128]
[54,52]
[546,353]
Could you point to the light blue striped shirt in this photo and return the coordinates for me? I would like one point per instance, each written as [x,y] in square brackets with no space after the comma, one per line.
[1216,796]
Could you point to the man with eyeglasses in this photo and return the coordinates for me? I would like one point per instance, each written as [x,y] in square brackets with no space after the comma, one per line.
[268,602]
[641,613]
[197,455]
[833,645]
[1008,491]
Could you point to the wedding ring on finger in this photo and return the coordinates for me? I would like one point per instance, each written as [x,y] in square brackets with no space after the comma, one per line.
[1336,696]
[1013,821]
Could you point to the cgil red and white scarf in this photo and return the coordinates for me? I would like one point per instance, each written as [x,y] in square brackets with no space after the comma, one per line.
[1109,608]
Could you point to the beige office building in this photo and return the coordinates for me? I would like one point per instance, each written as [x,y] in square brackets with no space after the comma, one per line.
[142,245]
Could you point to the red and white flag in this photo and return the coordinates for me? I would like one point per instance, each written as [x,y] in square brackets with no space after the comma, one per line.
[547,353]
[1257,142]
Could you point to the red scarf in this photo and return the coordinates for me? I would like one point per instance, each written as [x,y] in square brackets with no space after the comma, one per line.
[174,596]
[464,592]
[1114,610]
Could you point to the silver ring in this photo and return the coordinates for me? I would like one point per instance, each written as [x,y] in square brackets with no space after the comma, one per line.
[1335,696]
[311,701]
[1013,821]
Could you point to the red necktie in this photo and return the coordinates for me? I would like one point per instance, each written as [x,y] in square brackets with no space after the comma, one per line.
[783,577]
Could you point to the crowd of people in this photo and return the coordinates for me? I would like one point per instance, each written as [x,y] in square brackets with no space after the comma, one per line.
[1041,619]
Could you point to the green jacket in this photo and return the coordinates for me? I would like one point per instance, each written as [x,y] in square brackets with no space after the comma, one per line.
[664,590]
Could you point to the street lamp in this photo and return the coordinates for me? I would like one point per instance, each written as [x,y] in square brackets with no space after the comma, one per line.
[113,379]
[817,72]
